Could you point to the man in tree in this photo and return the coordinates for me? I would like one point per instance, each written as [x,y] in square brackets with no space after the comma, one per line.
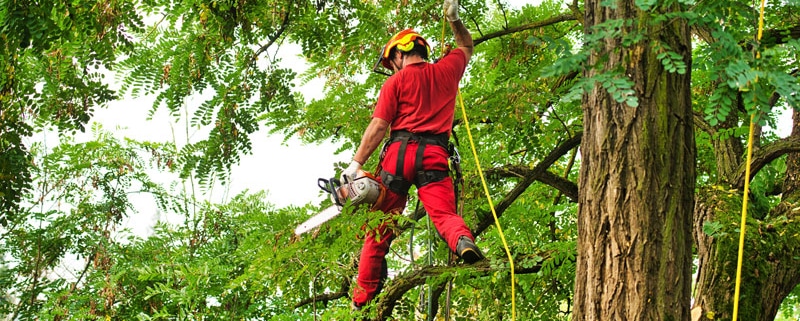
[417,102]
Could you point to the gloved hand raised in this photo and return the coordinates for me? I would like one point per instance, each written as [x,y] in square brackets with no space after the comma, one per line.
[451,10]
[351,172]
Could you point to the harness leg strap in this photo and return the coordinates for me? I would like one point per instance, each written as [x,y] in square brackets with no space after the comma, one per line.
[396,183]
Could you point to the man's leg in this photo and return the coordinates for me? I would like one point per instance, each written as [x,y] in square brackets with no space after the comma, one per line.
[439,200]
[372,267]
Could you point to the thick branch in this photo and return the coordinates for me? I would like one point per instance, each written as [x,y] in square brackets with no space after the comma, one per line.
[774,37]
[565,186]
[575,7]
[532,25]
[771,37]
[536,173]
[406,282]
[701,123]
[765,155]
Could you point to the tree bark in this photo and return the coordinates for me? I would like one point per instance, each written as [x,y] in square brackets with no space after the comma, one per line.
[637,177]
[770,269]
[791,184]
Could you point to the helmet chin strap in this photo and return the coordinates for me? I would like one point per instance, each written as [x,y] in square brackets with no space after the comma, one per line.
[402,61]
[377,67]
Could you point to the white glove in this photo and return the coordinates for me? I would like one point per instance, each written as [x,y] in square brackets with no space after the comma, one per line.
[351,172]
[451,10]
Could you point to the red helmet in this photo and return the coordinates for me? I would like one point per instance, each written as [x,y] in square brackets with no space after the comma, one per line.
[404,41]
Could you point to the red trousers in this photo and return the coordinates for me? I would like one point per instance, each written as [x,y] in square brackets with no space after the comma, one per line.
[439,201]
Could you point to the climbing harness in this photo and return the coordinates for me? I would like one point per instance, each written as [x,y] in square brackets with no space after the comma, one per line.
[395,182]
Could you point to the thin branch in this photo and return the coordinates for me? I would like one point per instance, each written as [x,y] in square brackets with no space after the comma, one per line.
[343,292]
[274,37]
[563,185]
[505,14]
[324,297]
[532,25]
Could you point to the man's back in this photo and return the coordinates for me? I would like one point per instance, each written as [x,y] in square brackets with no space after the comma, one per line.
[420,98]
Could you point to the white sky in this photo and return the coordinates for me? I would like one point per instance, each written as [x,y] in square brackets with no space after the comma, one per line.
[288,171]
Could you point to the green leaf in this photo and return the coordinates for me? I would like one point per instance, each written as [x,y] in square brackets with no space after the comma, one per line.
[713,229]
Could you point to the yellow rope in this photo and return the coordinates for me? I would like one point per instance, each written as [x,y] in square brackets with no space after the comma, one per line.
[491,206]
[486,191]
[743,223]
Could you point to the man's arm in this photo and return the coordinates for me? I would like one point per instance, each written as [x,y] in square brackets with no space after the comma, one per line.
[463,38]
[373,136]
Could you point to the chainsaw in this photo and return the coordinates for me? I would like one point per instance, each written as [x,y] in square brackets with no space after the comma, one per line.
[365,189]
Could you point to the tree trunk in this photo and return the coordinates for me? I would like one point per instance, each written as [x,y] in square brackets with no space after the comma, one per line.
[791,184]
[771,261]
[637,177]
[770,269]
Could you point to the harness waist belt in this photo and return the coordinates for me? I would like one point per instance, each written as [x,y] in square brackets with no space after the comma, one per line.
[433,139]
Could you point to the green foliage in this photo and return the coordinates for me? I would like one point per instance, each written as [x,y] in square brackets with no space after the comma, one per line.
[672,61]
[216,66]
[15,176]
[214,48]
[620,89]
[719,105]
[713,229]
[82,195]
[51,55]
[738,66]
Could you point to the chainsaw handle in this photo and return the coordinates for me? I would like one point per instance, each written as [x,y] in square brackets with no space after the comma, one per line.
[323,184]
[328,185]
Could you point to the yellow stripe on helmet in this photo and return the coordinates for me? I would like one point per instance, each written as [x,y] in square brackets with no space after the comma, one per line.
[404,41]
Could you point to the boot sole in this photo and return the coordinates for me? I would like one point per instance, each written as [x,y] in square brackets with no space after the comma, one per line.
[470,256]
